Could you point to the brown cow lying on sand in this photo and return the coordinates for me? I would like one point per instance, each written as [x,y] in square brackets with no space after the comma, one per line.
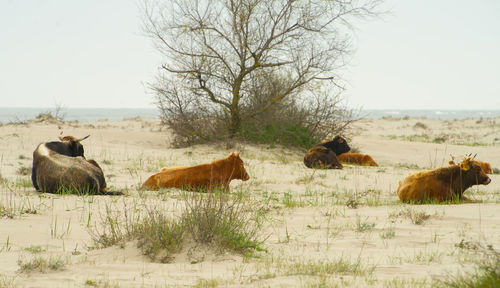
[324,155]
[443,183]
[206,177]
[357,158]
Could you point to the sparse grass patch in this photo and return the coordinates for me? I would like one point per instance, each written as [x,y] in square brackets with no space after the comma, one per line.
[7,246]
[22,157]
[425,257]
[100,283]
[159,236]
[206,283]
[486,274]
[24,171]
[228,222]
[363,225]
[416,217]
[405,282]
[408,166]
[323,267]
[224,221]
[12,207]
[352,203]
[388,234]
[23,182]
[41,264]
[369,197]
[35,249]
[306,179]
[288,200]
[420,125]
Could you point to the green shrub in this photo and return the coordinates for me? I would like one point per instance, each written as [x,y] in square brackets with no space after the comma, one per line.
[279,133]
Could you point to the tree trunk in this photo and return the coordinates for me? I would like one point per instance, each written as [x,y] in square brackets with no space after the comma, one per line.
[235,121]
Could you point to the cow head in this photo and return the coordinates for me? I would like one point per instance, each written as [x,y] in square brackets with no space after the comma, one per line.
[73,147]
[473,172]
[485,166]
[239,171]
[338,145]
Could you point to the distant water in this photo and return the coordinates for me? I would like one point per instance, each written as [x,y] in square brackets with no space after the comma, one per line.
[80,114]
[430,114]
[93,114]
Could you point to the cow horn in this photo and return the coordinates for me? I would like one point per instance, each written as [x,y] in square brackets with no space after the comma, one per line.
[83,138]
[474,156]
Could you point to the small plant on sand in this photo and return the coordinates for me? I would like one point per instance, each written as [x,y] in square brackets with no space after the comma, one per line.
[341,266]
[35,249]
[24,171]
[388,234]
[159,236]
[221,220]
[486,274]
[13,208]
[100,283]
[416,217]
[352,203]
[363,226]
[41,264]
[207,283]
[228,222]
[420,125]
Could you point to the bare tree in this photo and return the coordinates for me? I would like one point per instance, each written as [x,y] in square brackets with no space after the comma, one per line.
[214,47]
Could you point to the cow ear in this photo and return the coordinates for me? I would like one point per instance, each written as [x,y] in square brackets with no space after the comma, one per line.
[451,162]
[236,153]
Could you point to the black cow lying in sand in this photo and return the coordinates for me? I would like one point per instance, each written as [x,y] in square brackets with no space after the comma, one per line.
[324,155]
[61,167]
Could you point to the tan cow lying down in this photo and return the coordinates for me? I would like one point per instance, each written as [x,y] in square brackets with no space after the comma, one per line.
[214,175]
[443,183]
[357,158]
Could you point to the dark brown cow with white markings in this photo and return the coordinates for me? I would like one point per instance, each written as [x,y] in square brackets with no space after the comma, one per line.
[61,167]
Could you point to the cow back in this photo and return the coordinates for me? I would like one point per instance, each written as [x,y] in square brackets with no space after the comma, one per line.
[321,157]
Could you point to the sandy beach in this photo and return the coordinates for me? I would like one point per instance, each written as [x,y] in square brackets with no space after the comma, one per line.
[316,219]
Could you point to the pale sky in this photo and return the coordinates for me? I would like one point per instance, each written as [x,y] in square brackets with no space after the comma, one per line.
[425,54]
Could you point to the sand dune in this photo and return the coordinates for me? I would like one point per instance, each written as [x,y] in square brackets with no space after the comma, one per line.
[317,218]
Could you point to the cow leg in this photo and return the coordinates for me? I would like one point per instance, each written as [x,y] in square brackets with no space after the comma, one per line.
[320,164]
